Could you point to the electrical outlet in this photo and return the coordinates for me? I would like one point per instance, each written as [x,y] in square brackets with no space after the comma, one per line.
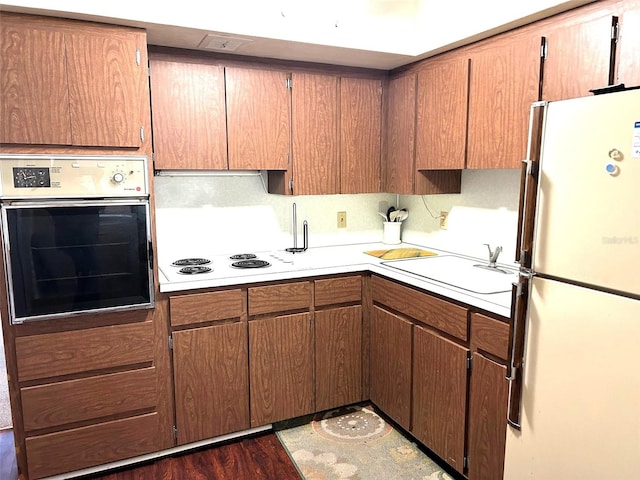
[444,220]
[342,219]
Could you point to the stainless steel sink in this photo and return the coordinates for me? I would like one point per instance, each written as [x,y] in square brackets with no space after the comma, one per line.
[458,272]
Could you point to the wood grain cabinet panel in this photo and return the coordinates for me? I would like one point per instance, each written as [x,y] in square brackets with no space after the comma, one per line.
[56,404]
[504,82]
[206,307]
[34,107]
[391,365]
[441,117]
[189,115]
[488,398]
[360,135]
[55,354]
[281,368]
[577,58]
[258,120]
[211,379]
[629,45]
[422,307]
[279,298]
[106,80]
[440,395]
[332,291]
[84,447]
[72,83]
[338,347]
[490,335]
[399,135]
[315,134]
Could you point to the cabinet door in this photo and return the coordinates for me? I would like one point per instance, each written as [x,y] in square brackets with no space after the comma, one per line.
[440,395]
[189,117]
[629,46]
[441,131]
[577,58]
[34,100]
[315,134]
[360,130]
[399,135]
[503,84]
[487,419]
[391,365]
[281,368]
[211,381]
[338,349]
[258,119]
[106,80]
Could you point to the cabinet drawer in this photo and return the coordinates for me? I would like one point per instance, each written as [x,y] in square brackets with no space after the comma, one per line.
[432,311]
[490,335]
[85,447]
[205,307]
[61,403]
[279,298]
[54,354]
[332,291]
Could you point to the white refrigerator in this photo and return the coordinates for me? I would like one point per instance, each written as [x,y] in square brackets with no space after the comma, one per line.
[574,406]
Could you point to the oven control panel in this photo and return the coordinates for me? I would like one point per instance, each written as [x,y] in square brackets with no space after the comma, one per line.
[44,176]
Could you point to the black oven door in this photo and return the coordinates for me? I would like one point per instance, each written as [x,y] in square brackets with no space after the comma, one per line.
[66,258]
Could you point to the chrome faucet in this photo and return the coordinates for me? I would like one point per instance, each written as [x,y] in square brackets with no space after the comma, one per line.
[493,255]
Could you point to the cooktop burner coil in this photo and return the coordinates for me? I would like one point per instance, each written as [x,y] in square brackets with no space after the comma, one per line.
[253,263]
[242,256]
[186,262]
[194,270]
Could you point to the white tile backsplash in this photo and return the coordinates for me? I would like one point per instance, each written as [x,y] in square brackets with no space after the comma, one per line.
[233,214]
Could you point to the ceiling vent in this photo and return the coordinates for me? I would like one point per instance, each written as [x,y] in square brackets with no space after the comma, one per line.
[221,43]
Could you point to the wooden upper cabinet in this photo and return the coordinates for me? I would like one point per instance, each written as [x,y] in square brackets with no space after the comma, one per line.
[503,84]
[71,83]
[106,78]
[315,134]
[189,116]
[629,46]
[577,58]
[441,131]
[399,135]
[34,100]
[258,105]
[360,135]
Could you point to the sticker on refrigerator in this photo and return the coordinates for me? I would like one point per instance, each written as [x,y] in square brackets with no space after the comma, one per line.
[635,146]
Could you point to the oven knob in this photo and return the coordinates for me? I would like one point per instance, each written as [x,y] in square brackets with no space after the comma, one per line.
[117,178]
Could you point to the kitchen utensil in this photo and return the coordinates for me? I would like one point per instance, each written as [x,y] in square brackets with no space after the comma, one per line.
[383,215]
[391,209]
[393,216]
[401,215]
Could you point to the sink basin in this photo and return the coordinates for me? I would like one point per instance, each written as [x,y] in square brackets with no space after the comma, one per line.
[458,272]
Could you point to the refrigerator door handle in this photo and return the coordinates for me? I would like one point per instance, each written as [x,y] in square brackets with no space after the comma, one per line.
[529,186]
[519,301]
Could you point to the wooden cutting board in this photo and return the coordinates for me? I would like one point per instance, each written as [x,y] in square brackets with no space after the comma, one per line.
[395,253]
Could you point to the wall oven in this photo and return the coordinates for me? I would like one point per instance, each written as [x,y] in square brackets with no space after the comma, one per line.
[75,235]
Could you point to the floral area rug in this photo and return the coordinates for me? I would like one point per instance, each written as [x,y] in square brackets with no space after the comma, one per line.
[355,443]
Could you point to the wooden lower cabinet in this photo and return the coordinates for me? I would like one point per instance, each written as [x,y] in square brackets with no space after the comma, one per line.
[440,395]
[338,347]
[487,419]
[92,445]
[211,381]
[281,368]
[391,365]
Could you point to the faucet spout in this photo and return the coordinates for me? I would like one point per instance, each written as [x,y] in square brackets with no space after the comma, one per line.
[493,255]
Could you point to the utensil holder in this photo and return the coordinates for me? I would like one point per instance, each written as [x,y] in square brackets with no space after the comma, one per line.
[391,232]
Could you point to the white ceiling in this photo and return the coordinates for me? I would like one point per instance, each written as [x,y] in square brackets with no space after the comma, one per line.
[381,34]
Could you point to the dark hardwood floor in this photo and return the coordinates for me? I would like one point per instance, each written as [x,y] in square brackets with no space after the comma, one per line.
[252,458]
[256,457]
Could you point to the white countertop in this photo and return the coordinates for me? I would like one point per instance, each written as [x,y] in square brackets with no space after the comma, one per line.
[328,261]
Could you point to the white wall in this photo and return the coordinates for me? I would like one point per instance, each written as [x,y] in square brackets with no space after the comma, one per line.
[200,214]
